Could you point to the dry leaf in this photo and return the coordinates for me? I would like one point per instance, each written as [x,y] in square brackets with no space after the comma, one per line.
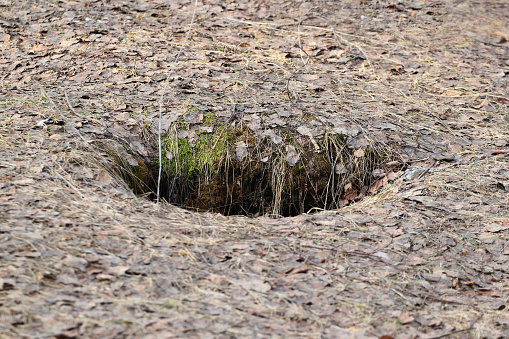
[292,156]
[359,153]
[103,178]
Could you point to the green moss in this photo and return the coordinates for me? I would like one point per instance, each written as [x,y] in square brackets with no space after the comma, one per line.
[208,118]
[190,162]
[308,117]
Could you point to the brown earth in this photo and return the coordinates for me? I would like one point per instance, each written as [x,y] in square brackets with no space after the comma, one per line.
[419,256]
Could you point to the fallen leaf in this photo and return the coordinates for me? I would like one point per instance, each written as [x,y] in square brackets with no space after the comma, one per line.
[103,178]
[55,137]
[24,182]
[495,228]
[304,130]
[292,156]
[217,279]
[359,153]
[378,184]
[298,270]
[340,169]
[256,285]
[394,175]
[70,42]
[406,318]
[350,194]
[37,168]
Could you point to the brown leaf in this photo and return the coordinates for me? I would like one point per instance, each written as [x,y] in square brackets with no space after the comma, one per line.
[377,185]
[5,38]
[103,178]
[70,42]
[24,182]
[455,148]
[394,175]
[406,318]
[37,168]
[340,169]
[350,194]
[495,228]
[359,153]
[117,270]
[55,137]
[298,270]
[256,285]
[217,279]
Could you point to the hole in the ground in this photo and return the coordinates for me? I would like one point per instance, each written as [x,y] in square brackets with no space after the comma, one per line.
[232,169]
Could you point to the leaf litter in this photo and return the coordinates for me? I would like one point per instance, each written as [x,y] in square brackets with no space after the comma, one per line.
[424,257]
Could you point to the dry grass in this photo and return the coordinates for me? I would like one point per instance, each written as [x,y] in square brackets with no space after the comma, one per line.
[83,256]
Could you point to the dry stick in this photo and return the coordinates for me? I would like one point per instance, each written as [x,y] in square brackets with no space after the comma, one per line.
[258,23]
[159,131]
[67,181]
[81,115]
[327,323]
[359,253]
[337,37]
[290,24]
[427,170]
[300,48]
[331,29]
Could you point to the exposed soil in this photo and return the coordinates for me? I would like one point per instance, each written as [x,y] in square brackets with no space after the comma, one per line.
[420,252]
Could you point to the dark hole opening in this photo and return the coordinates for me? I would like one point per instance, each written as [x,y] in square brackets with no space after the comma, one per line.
[230,169]
[257,188]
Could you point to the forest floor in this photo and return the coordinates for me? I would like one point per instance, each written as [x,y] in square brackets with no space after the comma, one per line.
[424,256]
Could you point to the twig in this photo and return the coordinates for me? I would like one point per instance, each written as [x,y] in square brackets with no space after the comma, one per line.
[81,116]
[67,181]
[159,131]
[300,48]
[337,37]
[258,23]
[359,253]
[325,328]
[247,22]
[423,173]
